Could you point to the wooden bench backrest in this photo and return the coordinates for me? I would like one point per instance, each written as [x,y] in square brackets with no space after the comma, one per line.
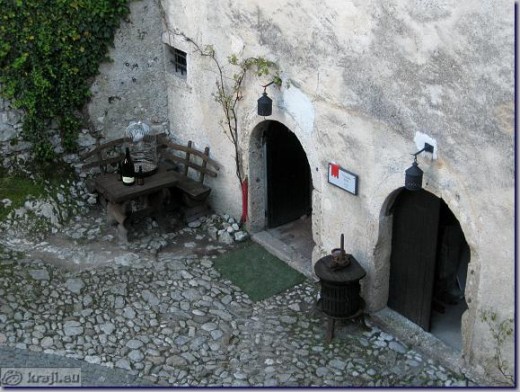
[110,153]
[104,154]
[188,158]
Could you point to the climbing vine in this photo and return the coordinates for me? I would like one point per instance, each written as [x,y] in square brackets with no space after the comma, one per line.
[229,94]
[49,52]
[502,332]
[229,91]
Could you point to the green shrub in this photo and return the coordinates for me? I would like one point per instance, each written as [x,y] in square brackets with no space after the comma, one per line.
[49,52]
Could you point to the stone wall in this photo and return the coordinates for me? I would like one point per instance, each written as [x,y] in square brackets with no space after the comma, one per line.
[11,121]
[16,154]
[131,87]
[370,83]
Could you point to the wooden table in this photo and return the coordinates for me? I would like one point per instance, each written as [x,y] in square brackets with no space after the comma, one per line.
[118,195]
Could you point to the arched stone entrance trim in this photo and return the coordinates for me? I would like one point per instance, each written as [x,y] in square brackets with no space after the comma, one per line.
[382,251]
[379,288]
[257,180]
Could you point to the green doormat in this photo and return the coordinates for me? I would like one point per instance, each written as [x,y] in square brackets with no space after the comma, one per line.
[257,272]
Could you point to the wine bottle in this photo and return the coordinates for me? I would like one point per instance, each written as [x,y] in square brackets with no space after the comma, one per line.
[140,176]
[127,169]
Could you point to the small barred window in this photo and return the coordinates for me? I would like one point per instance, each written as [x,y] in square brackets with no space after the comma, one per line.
[178,59]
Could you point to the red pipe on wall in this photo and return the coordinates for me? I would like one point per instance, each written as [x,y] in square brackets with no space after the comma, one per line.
[245,188]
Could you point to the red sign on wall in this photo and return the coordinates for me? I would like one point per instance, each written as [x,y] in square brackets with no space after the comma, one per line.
[343,179]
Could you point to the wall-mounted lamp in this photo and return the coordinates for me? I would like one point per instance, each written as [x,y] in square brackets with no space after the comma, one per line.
[265,104]
[413,175]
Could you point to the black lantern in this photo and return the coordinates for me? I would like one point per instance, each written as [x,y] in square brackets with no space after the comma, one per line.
[413,175]
[265,105]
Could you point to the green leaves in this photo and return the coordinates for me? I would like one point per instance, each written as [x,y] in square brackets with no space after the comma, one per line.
[48,52]
[502,332]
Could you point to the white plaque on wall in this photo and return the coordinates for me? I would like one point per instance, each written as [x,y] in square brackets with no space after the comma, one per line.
[343,178]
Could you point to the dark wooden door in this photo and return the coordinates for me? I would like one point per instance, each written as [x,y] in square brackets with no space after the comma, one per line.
[288,176]
[412,262]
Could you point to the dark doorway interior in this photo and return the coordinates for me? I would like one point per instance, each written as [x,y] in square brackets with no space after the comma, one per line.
[428,265]
[451,268]
[289,184]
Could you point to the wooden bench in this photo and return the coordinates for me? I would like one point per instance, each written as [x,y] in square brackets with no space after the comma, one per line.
[178,165]
[187,159]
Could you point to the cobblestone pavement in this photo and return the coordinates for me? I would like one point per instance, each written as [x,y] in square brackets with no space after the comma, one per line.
[156,312]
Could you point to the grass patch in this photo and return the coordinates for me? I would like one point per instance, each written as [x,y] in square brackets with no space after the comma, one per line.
[17,189]
[258,273]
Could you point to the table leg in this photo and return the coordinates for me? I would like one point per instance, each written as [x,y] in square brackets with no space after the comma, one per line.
[117,213]
[362,322]
[123,232]
[331,323]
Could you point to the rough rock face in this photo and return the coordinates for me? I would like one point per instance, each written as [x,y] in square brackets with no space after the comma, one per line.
[131,86]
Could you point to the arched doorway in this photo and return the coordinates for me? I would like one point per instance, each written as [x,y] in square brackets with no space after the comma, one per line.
[428,265]
[280,195]
[289,184]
